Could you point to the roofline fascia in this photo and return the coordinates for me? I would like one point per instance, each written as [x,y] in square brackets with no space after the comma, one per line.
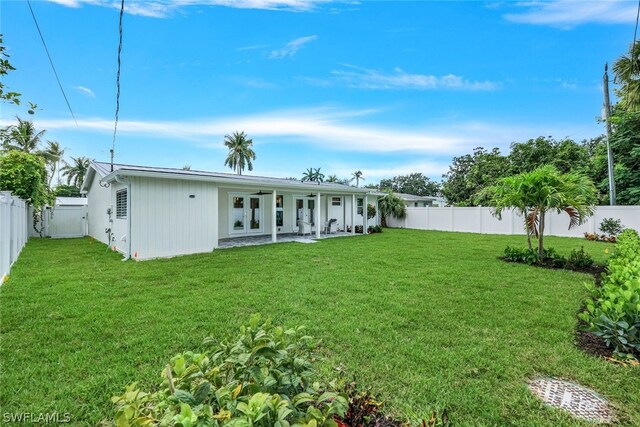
[168,175]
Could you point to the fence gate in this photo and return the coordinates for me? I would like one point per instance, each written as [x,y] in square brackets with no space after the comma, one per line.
[67,221]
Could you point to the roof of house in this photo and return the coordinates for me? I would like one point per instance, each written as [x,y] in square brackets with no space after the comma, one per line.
[71,201]
[414,198]
[106,174]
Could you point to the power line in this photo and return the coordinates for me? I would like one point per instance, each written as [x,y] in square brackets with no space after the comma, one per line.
[115,126]
[51,62]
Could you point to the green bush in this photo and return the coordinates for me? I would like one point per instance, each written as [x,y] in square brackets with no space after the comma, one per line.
[578,258]
[611,227]
[263,377]
[530,256]
[613,311]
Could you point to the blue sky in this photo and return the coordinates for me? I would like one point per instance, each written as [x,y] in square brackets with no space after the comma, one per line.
[384,87]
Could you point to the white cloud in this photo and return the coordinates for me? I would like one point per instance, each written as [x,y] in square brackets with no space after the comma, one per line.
[570,13]
[85,91]
[400,79]
[164,8]
[291,48]
[333,129]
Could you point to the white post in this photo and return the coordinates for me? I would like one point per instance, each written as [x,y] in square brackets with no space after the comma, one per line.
[480,217]
[214,218]
[451,217]
[353,213]
[274,230]
[318,215]
[427,219]
[365,211]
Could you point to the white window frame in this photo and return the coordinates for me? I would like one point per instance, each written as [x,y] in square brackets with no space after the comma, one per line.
[120,205]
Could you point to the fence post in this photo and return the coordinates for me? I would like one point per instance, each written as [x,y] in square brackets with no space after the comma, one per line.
[427,220]
[451,217]
[480,217]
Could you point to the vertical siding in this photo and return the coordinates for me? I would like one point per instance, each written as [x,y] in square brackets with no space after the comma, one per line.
[99,200]
[119,228]
[167,222]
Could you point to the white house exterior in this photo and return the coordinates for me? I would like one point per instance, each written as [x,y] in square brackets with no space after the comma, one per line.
[413,201]
[147,212]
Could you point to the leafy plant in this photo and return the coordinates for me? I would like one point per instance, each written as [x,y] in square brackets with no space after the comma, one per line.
[374,229]
[371,211]
[611,227]
[262,377]
[579,258]
[613,311]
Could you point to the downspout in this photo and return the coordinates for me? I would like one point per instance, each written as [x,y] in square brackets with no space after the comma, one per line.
[119,180]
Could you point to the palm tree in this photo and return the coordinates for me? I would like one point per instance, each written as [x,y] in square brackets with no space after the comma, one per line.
[22,136]
[186,168]
[541,190]
[240,152]
[626,71]
[313,175]
[333,179]
[52,155]
[75,172]
[391,205]
[357,175]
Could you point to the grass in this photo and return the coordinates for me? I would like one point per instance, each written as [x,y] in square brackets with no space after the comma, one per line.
[427,320]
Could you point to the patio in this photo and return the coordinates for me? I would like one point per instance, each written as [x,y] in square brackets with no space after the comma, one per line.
[264,239]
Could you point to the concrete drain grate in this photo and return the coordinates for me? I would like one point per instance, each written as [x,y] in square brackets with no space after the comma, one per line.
[579,401]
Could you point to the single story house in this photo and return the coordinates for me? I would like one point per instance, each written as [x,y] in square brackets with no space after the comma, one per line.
[148,212]
[414,201]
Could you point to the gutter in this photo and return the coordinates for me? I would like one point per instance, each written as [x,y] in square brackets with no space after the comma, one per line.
[119,180]
[235,182]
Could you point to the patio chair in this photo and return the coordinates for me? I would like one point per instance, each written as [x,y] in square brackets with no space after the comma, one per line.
[332,227]
[304,227]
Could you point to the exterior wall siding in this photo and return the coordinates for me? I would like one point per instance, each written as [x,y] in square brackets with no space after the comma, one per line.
[166,221]
[99,200]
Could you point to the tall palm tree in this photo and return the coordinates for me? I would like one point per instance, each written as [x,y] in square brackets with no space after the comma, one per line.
[75,172]
[22,136]
[541,190]
[313,175]
[241,154]
[357,176]
[52,155]
[391,205]
[626,71]
[332,179]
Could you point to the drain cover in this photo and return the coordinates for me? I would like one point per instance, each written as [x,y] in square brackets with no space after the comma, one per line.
[579,401]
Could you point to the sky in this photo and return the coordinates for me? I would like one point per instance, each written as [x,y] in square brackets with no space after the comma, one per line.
[385,87]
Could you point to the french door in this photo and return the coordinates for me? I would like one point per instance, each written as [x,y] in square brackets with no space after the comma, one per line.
[305,210]
[245,214]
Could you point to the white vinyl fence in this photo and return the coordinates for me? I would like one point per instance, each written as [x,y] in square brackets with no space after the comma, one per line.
[480,220]
[13,230]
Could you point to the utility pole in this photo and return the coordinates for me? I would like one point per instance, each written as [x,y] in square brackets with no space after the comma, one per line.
[606,116]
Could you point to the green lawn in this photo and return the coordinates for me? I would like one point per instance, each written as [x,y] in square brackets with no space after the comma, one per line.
[428,320]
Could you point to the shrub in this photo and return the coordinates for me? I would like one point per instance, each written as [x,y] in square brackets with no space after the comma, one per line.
[611,227]
[263,377]
[374,229]
[578,258]
[359,229]
[613,312]
[530,256]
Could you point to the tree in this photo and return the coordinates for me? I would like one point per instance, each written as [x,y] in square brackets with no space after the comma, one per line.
[24,175]
[22,137]
[76,171]
[67,191]
[542,190]
[567,155]
[391,205]
[357,176]
[5,67]
[625,145]
[241,154]
[52,155]
[333,179]
[413,183]
[626,70]
[313,175]
[470,174]
[186,168]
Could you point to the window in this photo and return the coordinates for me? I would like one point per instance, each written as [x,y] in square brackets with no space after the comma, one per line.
[279,211]
[336,201]
[360,206]
[121,203]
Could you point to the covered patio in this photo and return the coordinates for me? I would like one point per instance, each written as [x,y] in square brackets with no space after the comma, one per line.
[238,242]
